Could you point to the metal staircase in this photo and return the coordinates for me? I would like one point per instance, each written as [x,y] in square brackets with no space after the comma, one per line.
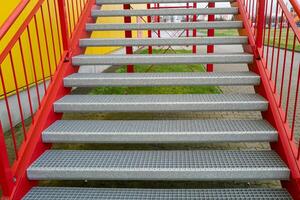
[170,165]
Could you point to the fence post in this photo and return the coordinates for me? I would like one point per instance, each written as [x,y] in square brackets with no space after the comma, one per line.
[260,23]
[128,34]
[63,24]
[6,176]
[210,33]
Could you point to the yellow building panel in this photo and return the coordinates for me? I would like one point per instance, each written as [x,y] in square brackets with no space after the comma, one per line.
[42,64]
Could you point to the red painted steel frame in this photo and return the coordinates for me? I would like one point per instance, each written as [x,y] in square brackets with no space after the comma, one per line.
[210,33]
[128,34]
[194,30]
[33,147]
[285,147]
[149,19]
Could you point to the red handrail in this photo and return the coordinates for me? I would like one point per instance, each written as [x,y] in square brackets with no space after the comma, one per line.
[62,42]
[296,6]
[12,18]
[274,38]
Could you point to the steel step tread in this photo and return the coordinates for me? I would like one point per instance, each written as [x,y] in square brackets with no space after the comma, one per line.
[101,2]
[164,12]
[157,131]
[161,103]
[164,26]
[119,59]
[76,193]
[158,165]
[163,41]
[161,79]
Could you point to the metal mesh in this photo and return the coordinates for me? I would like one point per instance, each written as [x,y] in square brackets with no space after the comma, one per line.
[154,194]
[159,160]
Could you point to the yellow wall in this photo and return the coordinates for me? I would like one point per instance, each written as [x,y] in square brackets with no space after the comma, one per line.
[54,53]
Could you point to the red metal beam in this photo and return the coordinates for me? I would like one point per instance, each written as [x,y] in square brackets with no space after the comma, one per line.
[210,33]
[63,24]
[194,30]
[149,19]
[128,34]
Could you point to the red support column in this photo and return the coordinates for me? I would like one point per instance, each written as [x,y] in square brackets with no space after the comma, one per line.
[210,33]
[6,176]
[187,20]
[158,20]
[260,23]
[63,24]
[194,30]
[128,34]
[149,31]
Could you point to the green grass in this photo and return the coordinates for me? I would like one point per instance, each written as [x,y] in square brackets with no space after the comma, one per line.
[160,89]
[232,32]
[222,32]
[282,40]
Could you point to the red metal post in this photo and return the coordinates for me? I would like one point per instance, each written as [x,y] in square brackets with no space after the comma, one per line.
[187,20]
[63,24]
[194,30]
[128,34]
[149,31]
[210,33]
[6,176]
[260,23]
[158,20]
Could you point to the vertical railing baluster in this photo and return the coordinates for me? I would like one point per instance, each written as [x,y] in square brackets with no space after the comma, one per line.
[33,66]
[9,115]
[12,64]
[40,53]
[6,175]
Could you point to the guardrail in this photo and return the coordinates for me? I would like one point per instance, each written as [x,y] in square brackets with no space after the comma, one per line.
[275,40]
[32,66]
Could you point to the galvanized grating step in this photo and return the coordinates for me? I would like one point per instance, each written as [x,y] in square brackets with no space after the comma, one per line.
[101,2]
[158,165]
[55,193]
[157,131]
[165,26]
[182,41]
[161,59]
[161,103]
[164,12]
[161,79]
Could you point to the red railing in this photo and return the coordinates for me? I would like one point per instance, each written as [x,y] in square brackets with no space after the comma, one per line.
[275,40]
[33,63]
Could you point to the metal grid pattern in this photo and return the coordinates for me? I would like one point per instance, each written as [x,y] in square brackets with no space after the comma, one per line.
[51,193]
[165,26]
[157,79]
[167,131]
[158,165]
[161,59]
[160,103]
[163,12]
[164,41]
